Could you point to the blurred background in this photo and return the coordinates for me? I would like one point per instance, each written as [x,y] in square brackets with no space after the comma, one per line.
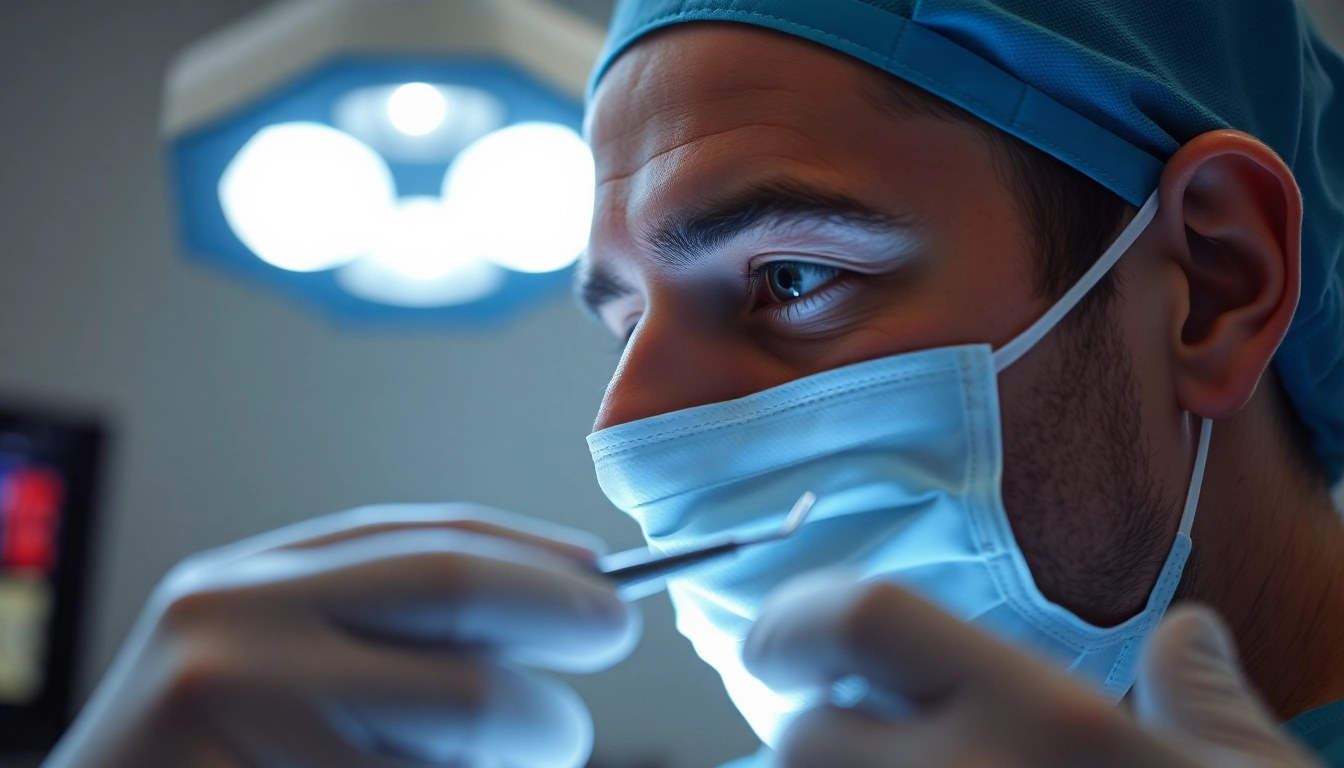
[228,410]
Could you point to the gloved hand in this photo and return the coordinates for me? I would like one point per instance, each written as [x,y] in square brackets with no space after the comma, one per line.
[385,636]
[972,700]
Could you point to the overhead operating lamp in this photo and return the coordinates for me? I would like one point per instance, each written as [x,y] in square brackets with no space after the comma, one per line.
[412,161]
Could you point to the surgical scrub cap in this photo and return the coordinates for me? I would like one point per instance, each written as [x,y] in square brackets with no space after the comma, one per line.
[1113,88]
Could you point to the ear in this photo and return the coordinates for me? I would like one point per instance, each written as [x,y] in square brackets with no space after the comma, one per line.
[1231,220]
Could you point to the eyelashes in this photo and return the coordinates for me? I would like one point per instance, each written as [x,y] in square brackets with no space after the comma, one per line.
[785,281]
[795,291]
[786,292]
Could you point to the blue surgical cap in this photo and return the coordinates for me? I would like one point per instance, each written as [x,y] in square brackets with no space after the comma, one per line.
[1114,88]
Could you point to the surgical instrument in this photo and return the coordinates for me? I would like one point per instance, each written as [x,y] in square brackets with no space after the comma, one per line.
[640,572]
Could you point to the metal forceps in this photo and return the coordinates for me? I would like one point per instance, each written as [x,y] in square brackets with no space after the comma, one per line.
[642,572]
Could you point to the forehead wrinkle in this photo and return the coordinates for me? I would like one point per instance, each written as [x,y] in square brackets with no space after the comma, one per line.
[684,144]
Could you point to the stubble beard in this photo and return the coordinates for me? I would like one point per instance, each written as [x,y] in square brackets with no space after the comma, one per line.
[1083,503]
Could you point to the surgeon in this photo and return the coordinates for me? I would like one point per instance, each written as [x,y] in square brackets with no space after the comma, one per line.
[1042,298]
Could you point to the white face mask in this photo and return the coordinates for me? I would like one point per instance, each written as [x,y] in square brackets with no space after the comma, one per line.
[905,456]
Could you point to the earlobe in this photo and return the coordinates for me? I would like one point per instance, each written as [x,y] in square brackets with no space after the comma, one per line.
[1232,216]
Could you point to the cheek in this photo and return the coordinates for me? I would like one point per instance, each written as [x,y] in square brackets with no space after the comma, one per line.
[1149,322]
[963,292]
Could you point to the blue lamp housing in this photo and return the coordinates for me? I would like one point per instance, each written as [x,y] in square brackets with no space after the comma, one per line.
[342,64]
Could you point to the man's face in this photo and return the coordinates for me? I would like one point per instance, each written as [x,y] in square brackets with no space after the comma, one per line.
[761,217]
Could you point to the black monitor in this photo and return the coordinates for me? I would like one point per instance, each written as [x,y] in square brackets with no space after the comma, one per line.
[48,474]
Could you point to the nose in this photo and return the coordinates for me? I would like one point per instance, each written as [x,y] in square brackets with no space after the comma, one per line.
[674,362]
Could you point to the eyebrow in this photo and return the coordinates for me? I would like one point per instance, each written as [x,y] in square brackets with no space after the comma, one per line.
[684,240]
[596,285]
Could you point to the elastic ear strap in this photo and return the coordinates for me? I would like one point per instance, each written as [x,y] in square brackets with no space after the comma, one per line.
[1196,477]
[1009,353]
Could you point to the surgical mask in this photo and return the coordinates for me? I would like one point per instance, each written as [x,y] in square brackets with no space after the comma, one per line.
[905,456]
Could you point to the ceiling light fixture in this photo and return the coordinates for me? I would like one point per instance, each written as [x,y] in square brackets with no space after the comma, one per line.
[405,160]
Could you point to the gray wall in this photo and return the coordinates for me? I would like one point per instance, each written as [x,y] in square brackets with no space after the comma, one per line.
[1330,15]
[235,411]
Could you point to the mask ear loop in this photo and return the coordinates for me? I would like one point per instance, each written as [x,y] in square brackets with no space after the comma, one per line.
[1010,353]
[1196,477]
[1013,351]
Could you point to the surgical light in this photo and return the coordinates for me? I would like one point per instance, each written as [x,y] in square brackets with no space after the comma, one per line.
[525,196]
[416,108]
[404,160]
[467,281]
[368,114]
[305,197]
[418,240]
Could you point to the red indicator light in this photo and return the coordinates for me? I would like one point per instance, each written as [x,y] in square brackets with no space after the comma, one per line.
[30,509]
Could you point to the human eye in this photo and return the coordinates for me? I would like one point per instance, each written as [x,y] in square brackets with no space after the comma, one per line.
[781,282]
[784,281]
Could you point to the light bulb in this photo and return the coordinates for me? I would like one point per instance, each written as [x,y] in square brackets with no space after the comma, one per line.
[523,196]
[372,280]
[305,196]
[418,240]
[416,108]
[418,260]
[368,114]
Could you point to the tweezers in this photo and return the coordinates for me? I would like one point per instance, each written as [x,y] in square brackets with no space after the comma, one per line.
[642,572]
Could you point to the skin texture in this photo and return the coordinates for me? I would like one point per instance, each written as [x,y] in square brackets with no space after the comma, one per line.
[1099,420]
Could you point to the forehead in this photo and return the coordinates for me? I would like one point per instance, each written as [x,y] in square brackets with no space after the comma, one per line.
[694,112]
[679,88]
[695,78]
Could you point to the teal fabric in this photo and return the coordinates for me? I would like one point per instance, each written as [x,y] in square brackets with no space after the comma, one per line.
[1113,89]
[1322,730]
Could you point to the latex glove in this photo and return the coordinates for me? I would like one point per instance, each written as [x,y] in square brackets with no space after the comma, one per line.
[970,700]
[384,636]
